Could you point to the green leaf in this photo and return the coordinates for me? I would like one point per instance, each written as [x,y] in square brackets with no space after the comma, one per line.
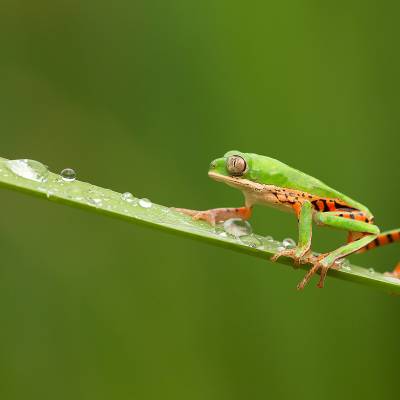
[33,178]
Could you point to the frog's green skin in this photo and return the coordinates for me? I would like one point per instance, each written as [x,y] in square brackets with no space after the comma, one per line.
[264,180]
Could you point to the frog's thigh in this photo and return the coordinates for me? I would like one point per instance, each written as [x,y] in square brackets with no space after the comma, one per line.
[335,221]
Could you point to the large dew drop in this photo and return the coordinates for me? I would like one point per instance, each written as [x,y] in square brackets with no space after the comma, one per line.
[127,196]
[145,203]
[237,227]
[29,169]
[68,175]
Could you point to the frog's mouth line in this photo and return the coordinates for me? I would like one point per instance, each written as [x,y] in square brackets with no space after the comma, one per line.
[234,181]
[223,178]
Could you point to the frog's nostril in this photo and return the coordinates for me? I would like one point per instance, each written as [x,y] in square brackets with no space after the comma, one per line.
[213,165]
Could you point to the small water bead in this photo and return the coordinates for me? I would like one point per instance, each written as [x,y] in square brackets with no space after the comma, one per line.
[68,175]
[94,202]
[127,196]
[288,243]
[281,248]
[250,240]
[145,203]
[371,271]
[269,238]
[344,264]
[237,227]
[29,169]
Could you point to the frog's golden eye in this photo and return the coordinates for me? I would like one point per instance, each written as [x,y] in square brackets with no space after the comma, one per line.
[236,165]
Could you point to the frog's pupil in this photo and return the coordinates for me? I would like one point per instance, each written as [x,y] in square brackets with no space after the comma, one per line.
[236,165]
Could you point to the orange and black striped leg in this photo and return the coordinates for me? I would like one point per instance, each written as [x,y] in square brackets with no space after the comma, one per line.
[383,239]
[216,215]
[337,220]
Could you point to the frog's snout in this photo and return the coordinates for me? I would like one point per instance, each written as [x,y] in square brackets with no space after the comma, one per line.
[213,165]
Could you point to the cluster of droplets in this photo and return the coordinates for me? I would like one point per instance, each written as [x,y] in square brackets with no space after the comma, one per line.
[241,231]
[38,172]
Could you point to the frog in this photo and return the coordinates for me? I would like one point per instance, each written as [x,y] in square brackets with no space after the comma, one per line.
[269,182]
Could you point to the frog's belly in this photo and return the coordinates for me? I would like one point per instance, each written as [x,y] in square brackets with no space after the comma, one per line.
[266,197]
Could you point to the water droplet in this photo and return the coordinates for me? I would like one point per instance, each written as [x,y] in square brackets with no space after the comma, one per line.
[145,203]
[281,248]
[29,169]
[223,234]
[250,240]
[344,264]
[127,196]
[371,271]
[288,243]
[68,175]
[269,238]
[237,227]
[94,202]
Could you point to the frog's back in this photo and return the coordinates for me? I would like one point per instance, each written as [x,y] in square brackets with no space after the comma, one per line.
[273,172]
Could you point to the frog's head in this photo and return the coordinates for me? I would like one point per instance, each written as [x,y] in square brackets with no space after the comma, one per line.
[231,168]
[245,170]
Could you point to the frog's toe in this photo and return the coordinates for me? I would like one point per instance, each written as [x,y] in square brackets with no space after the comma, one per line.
[209,215]
[299,257]
[283,253]
[290,253]
[320,263]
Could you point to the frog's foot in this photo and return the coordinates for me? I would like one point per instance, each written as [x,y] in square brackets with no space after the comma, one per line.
[321,262]
[208,215]
[217,214]
[298,256]
[395,273]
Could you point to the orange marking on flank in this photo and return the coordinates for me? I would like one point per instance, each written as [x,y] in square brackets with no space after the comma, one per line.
[320,205]
[331,205]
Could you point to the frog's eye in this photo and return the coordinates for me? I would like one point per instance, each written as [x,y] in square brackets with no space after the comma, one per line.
[236,165]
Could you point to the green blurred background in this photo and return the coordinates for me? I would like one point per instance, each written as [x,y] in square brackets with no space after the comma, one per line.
[140,96]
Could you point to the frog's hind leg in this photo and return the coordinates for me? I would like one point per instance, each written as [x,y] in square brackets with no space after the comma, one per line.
[325,261]
[383,239]
[396,272]
[363,233]
[216,215]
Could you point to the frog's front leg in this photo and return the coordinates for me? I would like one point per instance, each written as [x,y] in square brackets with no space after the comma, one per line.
[216,215]
[300,252]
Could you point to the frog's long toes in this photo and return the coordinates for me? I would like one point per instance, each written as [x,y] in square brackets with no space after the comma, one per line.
[186,211]
[283,253]
[308,276]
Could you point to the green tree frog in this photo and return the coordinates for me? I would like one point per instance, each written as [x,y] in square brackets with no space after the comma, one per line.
[266,181]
